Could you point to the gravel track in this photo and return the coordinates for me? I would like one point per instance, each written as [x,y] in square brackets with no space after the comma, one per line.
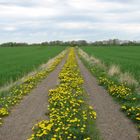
[18,125]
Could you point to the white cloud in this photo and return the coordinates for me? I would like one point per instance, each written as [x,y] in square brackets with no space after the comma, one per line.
[10,28]
[129,28]
[27,12]
[94,5]
[68,19]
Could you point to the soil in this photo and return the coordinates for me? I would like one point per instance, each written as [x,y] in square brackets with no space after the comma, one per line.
[111,122]
[18,125]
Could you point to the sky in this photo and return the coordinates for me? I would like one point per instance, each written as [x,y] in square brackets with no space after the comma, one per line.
[45,20]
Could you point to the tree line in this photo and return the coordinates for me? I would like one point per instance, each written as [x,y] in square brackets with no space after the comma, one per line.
[109,42]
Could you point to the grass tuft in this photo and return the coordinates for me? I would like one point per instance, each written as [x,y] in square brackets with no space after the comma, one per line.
[114,70]
[128,79]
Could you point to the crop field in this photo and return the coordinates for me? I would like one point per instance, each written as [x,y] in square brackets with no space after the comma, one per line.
[128,58]
[18,61]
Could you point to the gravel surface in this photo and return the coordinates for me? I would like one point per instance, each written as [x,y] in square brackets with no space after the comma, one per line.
[111,122]
[18,125]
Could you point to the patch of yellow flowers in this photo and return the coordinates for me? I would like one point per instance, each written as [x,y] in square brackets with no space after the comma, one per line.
[18,91]
[124,93]
[133,112]
[69,114]
[117,90]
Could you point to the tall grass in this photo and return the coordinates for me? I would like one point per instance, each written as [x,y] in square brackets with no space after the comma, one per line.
[16,62]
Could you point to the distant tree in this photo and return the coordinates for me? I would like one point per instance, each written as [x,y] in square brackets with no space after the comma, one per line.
[13,44]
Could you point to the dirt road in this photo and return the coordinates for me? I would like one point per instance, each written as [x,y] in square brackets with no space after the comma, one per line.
[111,122]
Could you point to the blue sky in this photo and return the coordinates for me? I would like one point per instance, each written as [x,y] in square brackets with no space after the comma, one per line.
[45,20]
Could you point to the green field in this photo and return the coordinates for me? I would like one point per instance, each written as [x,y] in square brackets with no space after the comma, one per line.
[128,58]
[18,61]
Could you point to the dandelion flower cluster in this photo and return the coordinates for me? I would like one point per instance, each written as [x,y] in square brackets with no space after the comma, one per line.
[68,111]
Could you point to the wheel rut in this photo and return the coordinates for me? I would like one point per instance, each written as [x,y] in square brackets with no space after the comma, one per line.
[18,125]
[111,122]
